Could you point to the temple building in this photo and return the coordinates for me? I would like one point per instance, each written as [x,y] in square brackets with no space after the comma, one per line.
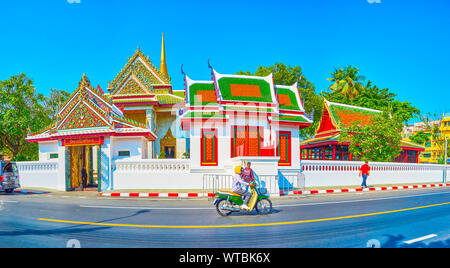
[91,132]
[145,94]
[335,117]
[235,117]
[138,118]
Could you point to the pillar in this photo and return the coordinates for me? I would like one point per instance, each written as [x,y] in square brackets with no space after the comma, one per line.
[151,125]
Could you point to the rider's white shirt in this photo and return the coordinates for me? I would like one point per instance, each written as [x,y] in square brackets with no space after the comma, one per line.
[238,183]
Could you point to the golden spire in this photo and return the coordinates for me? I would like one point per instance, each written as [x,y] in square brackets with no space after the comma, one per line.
[163,66]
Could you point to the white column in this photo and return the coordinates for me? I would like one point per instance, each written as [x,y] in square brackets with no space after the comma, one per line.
[61,167]
[150,145]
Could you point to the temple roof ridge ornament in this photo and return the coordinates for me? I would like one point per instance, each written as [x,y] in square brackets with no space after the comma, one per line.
[163,65]
[84,81]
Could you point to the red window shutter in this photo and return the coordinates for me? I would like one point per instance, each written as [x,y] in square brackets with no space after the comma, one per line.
[209,147]
[284,148]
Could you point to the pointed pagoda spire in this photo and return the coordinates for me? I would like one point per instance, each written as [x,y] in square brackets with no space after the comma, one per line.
[163,66]
[84,81]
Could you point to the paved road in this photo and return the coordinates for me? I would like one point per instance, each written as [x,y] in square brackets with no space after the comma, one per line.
[407,218]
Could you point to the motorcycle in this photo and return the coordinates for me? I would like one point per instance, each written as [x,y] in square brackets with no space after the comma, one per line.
[228,202]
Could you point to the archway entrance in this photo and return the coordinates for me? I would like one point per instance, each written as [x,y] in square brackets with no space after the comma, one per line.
[82,160]
[168,145]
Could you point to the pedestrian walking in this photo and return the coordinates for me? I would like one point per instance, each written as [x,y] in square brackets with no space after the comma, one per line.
[364,171]
[84,177]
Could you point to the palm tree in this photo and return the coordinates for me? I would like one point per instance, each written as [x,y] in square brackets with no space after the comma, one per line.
[347,81]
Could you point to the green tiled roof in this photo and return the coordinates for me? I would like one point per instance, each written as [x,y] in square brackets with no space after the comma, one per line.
[196,90]
[249,108]
[203,115]
[169,99]
[291,118]
[179,93]
[263,94]
[344,115]
[294,105]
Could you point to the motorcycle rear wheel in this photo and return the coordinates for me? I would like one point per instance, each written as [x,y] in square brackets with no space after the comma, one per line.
[264,206]
[220,210]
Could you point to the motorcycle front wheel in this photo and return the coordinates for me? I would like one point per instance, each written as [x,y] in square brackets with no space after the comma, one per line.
[219,207]
[264,206]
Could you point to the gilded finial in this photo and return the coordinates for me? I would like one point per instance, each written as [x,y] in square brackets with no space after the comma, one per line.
[84,81]
[163,66]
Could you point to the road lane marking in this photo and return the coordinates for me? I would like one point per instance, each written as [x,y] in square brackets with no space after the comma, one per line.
[361,200]
[420,239]
[241,225]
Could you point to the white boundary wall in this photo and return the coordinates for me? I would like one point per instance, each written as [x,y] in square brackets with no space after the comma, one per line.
[179,174]
[155,174]
[39,174]
[320,173]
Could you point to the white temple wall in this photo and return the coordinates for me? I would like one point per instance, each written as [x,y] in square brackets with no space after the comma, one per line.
[47,148]
[134,145]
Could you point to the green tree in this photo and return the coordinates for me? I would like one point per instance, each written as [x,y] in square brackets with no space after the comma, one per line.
[288,75]
[420,137]
[346,81]
[379,99]
[53,103]
[379,141]
[21,110]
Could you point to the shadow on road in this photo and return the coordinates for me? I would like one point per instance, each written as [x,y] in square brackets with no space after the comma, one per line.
[78,228]
[253,213]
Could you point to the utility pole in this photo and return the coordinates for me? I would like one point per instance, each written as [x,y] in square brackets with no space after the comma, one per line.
[445,162]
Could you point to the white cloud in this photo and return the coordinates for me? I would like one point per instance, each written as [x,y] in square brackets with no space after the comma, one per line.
[73,1]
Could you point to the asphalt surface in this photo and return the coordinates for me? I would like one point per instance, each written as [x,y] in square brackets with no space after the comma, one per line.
[392,219]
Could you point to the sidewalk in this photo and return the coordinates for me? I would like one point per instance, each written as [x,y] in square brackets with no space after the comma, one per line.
[182,193]
[324,190]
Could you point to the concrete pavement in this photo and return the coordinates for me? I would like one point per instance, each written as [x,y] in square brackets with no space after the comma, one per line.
[385,219]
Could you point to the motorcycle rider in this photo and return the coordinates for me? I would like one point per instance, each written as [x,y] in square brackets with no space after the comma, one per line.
[241,187]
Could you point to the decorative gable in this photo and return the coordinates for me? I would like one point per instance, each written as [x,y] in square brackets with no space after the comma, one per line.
[143,70]
[132,86]
[83,115]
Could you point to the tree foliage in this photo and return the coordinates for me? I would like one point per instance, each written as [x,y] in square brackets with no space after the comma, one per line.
[379,99]
[288,75]
[54,101]
[346,81]
[420,137]
[379,141]
[22,110]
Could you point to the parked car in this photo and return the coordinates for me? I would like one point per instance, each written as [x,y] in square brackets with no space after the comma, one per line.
[9,176]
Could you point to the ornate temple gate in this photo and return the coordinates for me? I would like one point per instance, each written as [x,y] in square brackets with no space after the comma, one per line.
[168,145]
[83,152]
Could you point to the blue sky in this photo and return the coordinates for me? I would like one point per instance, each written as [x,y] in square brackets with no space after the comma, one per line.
[402,44]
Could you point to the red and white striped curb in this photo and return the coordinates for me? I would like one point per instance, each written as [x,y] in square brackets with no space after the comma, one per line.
[282,193]
[350,190]
[157,194]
